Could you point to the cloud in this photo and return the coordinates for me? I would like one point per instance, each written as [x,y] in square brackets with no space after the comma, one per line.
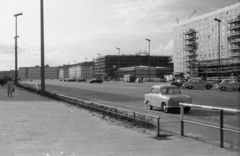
[164,49]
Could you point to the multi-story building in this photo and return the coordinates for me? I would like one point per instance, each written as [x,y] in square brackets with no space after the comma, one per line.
[81,70]
[63,72]
[107,66]
[23,72]
[196,44]
[35,72]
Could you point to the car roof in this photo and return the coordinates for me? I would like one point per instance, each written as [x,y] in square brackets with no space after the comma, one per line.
[164,86]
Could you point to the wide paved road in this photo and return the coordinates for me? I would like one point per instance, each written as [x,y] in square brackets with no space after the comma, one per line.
[131,96]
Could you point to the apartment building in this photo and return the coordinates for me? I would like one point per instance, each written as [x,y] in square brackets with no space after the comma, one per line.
[82,70]
[196,44]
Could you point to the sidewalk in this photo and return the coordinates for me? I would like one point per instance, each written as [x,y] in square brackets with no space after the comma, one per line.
[32,125]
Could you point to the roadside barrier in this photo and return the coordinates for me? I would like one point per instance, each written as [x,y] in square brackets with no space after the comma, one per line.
[220,127]
[136,118]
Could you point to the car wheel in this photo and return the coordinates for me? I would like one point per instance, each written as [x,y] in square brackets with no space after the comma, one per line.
[190,87]
[239,89]
[149,105]
[187,109]
[223,88]
[208,87]
[164,108]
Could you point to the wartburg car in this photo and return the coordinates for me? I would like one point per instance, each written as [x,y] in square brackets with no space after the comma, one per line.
[229,84]
[197,83]
[166,97]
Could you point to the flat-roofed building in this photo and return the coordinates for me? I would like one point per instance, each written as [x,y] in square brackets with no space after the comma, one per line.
[195,48]
[23,72]
[107,66]
[82,70]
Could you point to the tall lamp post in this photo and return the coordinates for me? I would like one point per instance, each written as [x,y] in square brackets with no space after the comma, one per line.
[118,60]
[149,59]
[219,21]
[42,50]
[16,66]
[75,70]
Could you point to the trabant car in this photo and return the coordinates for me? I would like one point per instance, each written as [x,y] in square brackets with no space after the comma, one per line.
[197,83]
[229,84]
[166,97]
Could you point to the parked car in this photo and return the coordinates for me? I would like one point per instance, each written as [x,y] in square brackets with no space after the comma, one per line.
[177,83]
[166,97]
[95,80]
[72,80]
[197,83]
[81,80]
[229,84]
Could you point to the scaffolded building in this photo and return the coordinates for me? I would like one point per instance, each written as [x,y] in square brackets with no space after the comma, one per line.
[108,66]
[196,44]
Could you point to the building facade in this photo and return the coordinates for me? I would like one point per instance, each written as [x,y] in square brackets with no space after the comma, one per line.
[77,71]
[196,44]
[107,66]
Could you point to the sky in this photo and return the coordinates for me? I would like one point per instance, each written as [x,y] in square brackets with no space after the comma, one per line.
[79,30]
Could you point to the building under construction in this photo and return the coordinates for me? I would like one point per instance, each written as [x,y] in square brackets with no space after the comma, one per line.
[108,66]
[209,45]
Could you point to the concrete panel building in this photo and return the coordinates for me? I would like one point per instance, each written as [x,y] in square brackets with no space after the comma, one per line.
[107,66]
[196,46]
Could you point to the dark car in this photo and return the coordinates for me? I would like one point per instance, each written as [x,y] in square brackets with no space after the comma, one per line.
[177,83]
[81,80]
[94,80]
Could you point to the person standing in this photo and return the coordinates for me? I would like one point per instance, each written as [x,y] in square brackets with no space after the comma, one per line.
[10,87]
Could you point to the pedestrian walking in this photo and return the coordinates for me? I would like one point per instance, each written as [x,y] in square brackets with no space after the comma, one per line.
[10,87]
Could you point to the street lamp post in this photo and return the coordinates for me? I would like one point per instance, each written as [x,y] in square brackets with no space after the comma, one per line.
[16,66]
[42,50]
[75,70]
[118,60]
[149,59]
[219,21]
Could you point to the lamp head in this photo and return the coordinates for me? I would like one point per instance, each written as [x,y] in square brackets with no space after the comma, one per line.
[218,20]
[19,14]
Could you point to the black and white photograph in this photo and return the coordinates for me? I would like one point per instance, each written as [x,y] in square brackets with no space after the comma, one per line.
[119,78]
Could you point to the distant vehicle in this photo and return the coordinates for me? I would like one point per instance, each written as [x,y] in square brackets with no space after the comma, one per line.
[72,80]
[139,80]
[66,79]
[197,83]
[166,97]
[128,78]
[61,79]
[229,84]
[81,80]
[95,80]
[177,82]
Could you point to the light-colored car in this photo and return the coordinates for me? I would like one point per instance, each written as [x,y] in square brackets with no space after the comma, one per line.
[197,83]
[166,97]
[229,84]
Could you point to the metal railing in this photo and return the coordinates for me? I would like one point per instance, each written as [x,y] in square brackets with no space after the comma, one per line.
[220,127]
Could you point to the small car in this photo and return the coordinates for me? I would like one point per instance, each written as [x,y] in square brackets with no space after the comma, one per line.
[95,80]
[197,83]
[229,84]
[177,83]
[166,97]
[81,80]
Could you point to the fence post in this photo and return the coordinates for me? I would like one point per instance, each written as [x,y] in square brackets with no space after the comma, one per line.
[181,117]
[221,128]
[158,132]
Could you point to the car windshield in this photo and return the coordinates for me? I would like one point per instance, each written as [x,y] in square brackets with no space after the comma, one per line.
[169,90]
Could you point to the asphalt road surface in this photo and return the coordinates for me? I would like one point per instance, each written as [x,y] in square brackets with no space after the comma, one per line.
[131,96]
